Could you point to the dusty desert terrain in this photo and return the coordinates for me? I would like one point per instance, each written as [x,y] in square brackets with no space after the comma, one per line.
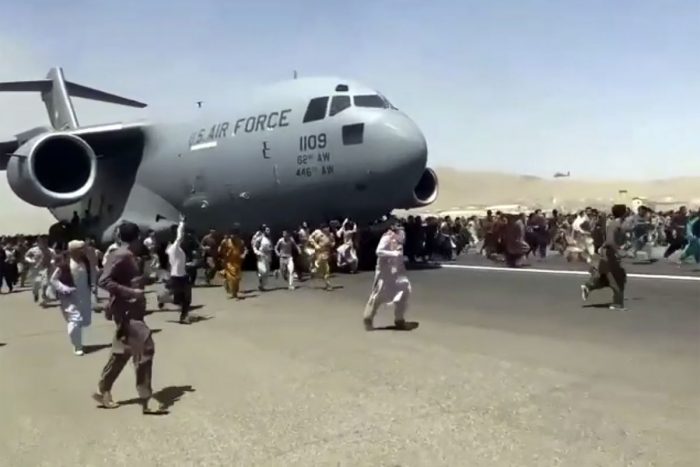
[462,189]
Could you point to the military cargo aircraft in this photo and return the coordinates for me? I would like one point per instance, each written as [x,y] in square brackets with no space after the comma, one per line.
[308,149]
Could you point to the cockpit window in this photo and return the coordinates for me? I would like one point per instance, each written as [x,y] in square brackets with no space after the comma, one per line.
[338,104]
[371,100]
[316,109]
[388,104]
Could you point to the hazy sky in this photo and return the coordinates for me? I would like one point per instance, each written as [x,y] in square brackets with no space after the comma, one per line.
[602,88]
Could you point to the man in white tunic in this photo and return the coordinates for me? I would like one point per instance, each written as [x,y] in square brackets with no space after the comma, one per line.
[111,248]
[262,247]
[72,281]
[346,254]
[285,252]
[306,252]
[179,280]
[391,285]
[93,256]
[152,265]
[581,232]
[39,260]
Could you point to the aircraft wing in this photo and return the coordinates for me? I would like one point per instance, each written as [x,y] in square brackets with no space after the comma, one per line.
[104,139]
[6,149]
[112,139]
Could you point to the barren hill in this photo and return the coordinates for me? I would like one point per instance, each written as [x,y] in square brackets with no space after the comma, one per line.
[460,189]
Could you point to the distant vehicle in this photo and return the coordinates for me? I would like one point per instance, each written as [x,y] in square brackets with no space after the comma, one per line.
[308,149]
[562,175]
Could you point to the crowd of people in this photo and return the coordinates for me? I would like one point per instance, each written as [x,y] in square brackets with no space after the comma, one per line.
[72,269]
[514,237]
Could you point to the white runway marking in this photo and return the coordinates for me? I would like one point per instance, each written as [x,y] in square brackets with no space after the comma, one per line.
[565,272]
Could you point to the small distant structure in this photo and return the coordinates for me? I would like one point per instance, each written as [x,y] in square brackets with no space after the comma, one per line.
[667,203]
[562,174]
[622,196]
[508,208]
[638,202]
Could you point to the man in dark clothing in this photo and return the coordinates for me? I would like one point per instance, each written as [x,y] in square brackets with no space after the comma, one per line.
[539,233]
[210,243]
[4,276]
[676,232]
[598,230]
[127,307]
[607,271]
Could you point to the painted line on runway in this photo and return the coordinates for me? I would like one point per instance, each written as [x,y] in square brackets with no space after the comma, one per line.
[565,272]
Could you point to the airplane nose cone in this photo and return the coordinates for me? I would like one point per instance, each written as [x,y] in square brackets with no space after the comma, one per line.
[409,148]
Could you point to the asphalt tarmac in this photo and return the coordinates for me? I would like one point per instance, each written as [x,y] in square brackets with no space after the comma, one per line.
[505,368]
[654,264]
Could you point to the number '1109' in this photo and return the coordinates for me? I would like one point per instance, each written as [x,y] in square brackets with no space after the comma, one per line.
[311,142]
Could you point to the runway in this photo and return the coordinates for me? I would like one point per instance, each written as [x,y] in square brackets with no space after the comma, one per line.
[504,369]
[555,262]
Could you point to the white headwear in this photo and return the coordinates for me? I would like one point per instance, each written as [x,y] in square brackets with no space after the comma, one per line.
[75,245]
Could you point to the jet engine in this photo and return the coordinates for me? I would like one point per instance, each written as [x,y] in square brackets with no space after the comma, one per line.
[52,170]
[425,191]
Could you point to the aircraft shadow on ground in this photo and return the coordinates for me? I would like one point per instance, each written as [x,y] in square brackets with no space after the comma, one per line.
[410,326]
[166,397]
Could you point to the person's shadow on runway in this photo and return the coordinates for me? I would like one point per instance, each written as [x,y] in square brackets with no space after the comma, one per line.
[166,397]
[597,305]
[410,326]
[88,349]
[193,319]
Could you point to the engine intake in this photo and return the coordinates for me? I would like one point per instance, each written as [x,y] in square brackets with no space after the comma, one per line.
[425,191]
[52,170]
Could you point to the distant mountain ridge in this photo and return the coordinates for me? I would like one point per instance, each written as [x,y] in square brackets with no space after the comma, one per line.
[460,188]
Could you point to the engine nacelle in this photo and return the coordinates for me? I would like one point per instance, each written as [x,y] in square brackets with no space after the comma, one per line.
[52,170]
[425,191]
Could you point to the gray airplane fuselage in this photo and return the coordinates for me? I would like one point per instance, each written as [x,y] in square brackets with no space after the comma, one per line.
[309,149]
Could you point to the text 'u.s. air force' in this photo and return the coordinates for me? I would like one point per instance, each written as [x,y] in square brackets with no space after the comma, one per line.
[250,124]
